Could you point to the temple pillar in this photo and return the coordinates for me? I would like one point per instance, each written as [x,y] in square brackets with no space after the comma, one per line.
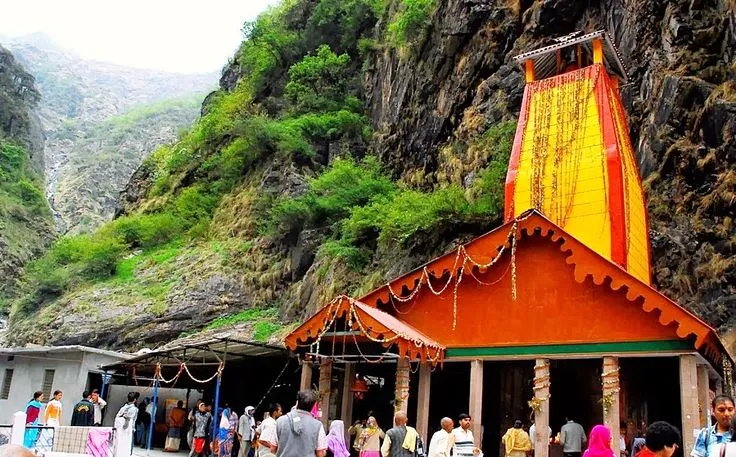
[689,400]
[611,397]
[306,379]
[542,386]
[401,392]
[425,376]
[718,387]
[475,408]
[325,390]
[703,389]
[346,409]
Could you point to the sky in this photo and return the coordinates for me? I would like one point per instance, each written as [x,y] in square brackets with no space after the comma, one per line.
[170,35]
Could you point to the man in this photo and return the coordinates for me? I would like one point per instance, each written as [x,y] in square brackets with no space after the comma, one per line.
[400,441]
[190,419]
[441,442]
[268,440]
[661,440]
[464,443]
[125,419]
[246,431]
[99,405]
[202,426]
[83,414]
[572,438]
[298,434]
[516,441]
[533,433]
[355,431]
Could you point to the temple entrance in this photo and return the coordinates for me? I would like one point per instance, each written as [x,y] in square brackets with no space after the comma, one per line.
[449,394]
[576,393]
[378,401]
[644,395]
[507,388]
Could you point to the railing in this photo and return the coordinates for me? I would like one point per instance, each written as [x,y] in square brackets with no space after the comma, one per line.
[39,439]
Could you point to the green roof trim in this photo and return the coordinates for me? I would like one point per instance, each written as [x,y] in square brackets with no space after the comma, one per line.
[582,348]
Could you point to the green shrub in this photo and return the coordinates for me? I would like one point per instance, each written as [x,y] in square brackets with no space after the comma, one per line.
[412,17]
[343,250]
[487,191]
[144,230]
[318,82]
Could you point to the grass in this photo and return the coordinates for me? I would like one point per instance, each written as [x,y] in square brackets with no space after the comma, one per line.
[248,315]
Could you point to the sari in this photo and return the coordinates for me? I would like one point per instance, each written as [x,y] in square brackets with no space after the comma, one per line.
[336,440]
[599,444]
[33,411]
[226,433]
[370,439]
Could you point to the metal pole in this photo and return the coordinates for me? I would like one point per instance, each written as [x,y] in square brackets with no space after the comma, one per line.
[215,419]
[105,380]
[153,414]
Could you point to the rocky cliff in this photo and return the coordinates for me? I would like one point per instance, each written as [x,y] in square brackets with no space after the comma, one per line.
[100,121]
[290,215]
[25,220]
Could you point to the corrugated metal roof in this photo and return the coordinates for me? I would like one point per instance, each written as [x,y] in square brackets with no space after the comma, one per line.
[36,350]
[545,59]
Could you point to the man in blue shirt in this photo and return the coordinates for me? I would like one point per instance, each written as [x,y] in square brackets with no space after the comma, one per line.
[710,438]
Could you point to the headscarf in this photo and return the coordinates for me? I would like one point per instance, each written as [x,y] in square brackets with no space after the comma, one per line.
[599,444]
[336,439]
[249,411]
[371,427]
[316,411]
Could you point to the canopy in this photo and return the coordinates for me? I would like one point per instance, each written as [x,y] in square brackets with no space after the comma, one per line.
[371,323]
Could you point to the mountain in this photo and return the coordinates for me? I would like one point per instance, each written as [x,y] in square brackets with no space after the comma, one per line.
[79,100]
[353,140]
[26,227]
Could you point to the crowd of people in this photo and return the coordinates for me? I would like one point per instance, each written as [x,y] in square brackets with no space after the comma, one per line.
[299,433]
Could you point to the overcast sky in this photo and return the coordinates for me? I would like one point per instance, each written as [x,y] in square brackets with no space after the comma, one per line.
[170,35]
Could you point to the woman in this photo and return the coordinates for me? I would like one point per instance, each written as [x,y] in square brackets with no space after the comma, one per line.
[370,439]
[336,440]
[176,422]
[599,444]
[33,411]
[708,442]
[52,413]
[226,432]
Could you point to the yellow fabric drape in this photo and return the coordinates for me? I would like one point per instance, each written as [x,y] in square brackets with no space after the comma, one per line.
[516,439]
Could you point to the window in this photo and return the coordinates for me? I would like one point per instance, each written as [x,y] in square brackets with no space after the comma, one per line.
[48,381]
[5,392]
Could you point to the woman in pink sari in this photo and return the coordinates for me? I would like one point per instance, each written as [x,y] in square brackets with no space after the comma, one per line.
[599,444]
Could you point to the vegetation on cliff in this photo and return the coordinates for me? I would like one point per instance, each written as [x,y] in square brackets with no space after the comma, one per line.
[351,141]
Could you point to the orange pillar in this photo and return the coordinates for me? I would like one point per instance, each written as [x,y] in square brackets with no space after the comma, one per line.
[529,70]
[597,51]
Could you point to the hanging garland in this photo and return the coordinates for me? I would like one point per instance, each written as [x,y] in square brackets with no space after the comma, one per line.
[462,259]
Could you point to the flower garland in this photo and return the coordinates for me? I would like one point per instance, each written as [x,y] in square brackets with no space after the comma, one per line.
[463,260]
[610,382]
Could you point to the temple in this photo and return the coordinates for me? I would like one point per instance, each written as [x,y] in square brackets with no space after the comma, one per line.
[551,315]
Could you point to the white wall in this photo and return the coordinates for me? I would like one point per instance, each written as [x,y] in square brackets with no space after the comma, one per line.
[118,396]
[71,371]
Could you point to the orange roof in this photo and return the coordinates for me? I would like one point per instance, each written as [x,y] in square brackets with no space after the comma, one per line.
[586,262]
[372,323]
[476,257]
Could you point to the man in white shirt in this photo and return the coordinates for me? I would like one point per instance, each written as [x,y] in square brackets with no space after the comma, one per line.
[268,440]
[464,443]
[441,442]
[533,433]
[99,406]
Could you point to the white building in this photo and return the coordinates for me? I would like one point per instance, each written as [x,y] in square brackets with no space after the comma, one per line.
[71,369]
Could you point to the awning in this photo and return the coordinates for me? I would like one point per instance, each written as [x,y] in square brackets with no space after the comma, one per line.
[371,323]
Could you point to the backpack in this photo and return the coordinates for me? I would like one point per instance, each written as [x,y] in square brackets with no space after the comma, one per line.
[419,449]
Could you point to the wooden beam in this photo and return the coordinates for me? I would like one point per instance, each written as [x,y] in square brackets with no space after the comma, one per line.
[689,401]
[325,390]
[306,379]
[475,407]
[542,384]
[346,411]
[703,389]
[425,377]
[611,396]
[597,51]
[401,391]
[529,70]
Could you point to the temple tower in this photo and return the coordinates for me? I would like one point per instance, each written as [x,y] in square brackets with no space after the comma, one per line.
[572,158]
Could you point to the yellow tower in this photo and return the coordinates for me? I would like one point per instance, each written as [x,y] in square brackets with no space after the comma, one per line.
[572,158]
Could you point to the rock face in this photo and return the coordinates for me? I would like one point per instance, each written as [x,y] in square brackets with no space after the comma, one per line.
[454,79]
[97,131]
[680,100]
[25,221]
